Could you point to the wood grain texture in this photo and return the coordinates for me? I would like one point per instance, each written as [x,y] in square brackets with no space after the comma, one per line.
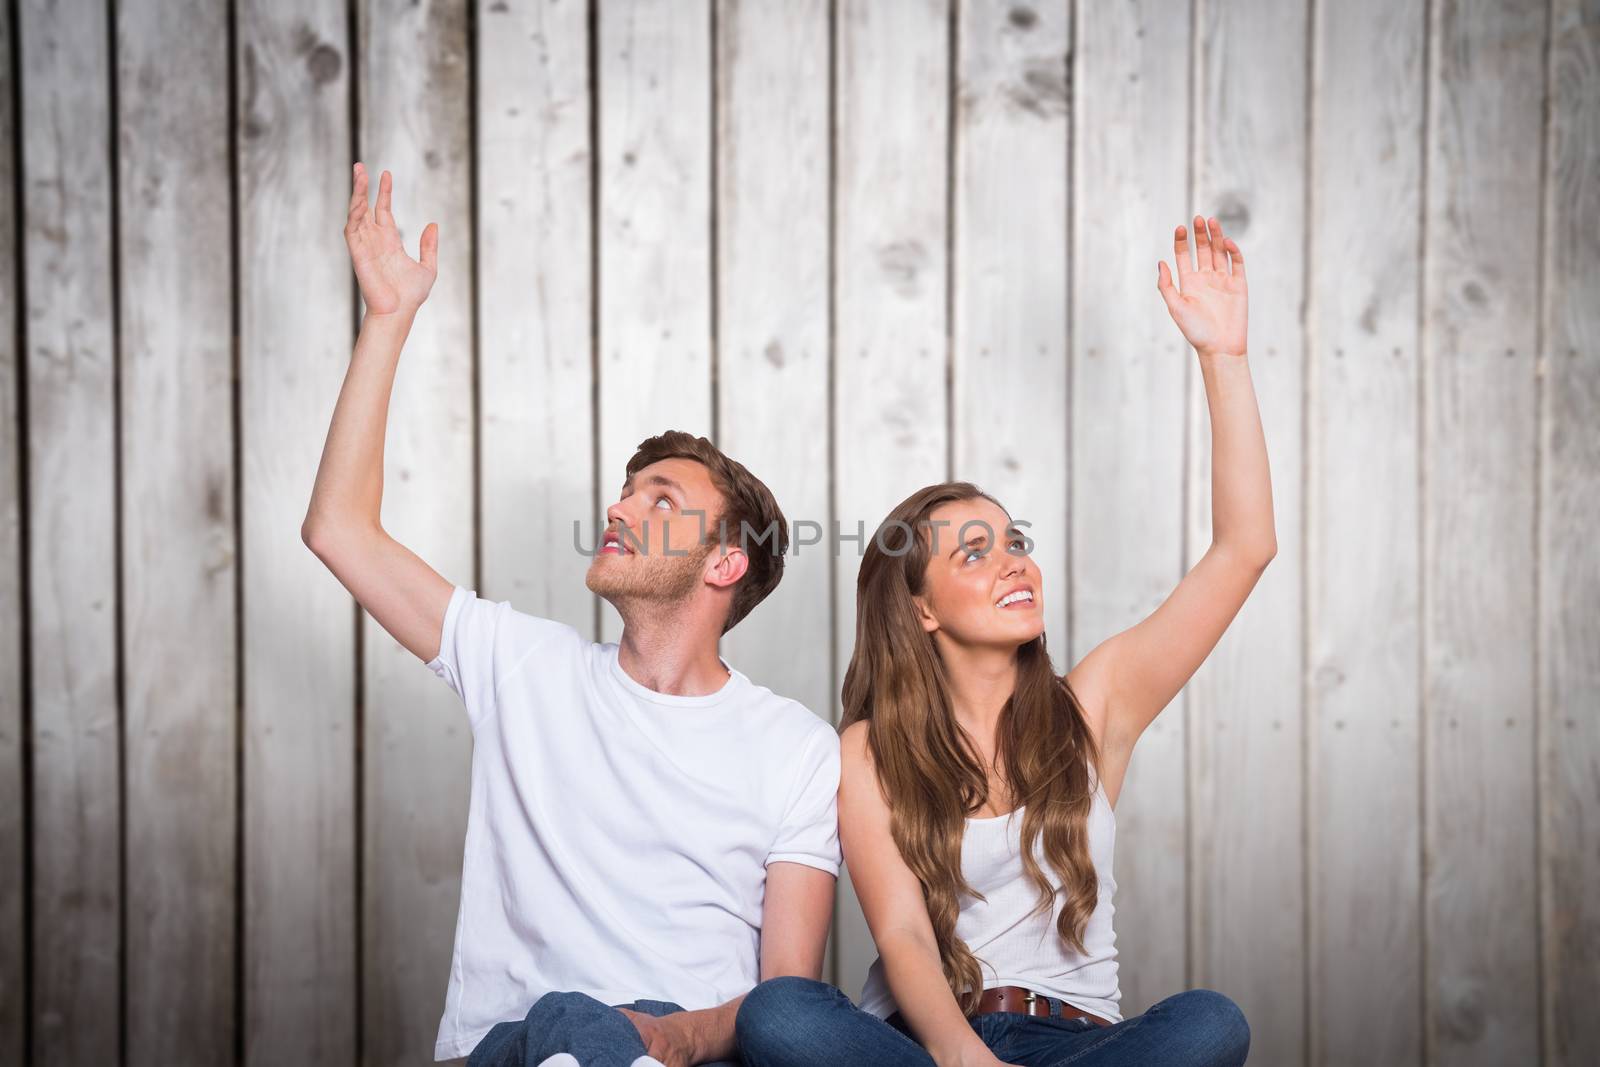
[890,413]
[774,361]
[14,932]
[535,417]
[1247,926]
[1413,849]
[72,569]
[1365,835]
[178,550]
[416,745]
[1478,517]
[654,232]
[1129,366]
[1008,275]
[1569,573]
[772,316]
[295,309]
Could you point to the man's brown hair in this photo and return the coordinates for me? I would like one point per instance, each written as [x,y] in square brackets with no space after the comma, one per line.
[750,519]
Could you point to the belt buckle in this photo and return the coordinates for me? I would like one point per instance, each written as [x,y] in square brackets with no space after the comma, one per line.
[1030,999]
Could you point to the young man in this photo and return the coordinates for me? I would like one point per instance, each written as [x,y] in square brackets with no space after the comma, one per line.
[650,834]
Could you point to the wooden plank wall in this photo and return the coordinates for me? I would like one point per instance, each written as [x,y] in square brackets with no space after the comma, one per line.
[867,245]
[1362,375]
[74,603]
[14,916]
[296,305]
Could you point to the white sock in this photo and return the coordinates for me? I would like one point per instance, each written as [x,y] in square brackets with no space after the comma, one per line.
[643,1061]
[560,1059]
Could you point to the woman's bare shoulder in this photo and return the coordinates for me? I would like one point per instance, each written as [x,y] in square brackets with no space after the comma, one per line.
[853,746]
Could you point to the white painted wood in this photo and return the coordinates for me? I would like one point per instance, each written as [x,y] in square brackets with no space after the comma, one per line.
[773,355]
[13,625]
[1364,844]
[1479,448]
[1008,275]
[71,478]
[178,533]
[295,308]
[534,246]
[772,322]
[890,350]
[1247,923]
[416,744]
[1569,573]
[1432,527]
[654,233]
[1129,369]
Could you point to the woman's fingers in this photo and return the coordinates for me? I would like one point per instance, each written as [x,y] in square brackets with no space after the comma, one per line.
[1202,245]
[1219,254]
[1180,250]
[384,216]
[1164,284]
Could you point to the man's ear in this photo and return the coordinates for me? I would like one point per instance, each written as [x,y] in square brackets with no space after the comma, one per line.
[929,623]
[726,566]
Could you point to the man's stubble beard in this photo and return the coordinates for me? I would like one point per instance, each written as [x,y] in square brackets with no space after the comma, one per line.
[653,579]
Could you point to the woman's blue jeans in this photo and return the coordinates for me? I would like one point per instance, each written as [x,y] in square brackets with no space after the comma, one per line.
[795,1022]
[597,1035]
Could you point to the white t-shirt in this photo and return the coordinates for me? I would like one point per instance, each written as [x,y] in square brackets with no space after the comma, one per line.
[617,838]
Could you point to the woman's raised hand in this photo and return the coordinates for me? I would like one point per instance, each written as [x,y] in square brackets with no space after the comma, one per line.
[1208,303]
[390,280]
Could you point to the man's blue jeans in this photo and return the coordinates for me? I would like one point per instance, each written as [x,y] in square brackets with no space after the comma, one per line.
[596,1034]
[795,1022]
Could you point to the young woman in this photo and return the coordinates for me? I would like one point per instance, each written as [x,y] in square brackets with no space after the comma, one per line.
[976,797]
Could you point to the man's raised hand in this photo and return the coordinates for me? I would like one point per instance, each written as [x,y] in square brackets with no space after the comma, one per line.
[390,280]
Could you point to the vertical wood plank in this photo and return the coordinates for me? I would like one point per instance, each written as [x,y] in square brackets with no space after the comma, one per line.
[299,642]
[13,813]
[178,547]
[534,244]
[1478,517]
[1129,364]
[773,330]
[890,405]
[654,232]
[72,460]
[772,323]
[415,122]
[1365,830]
[1247,925]
[1008,274]
[1569,578]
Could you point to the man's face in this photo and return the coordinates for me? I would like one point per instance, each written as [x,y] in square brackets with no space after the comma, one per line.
[657,534]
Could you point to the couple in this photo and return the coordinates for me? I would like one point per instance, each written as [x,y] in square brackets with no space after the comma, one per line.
[653,838]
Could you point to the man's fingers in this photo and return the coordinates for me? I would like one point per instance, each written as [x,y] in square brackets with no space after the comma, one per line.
[358,194]
[1180,249]
[1237,256]
[430,247]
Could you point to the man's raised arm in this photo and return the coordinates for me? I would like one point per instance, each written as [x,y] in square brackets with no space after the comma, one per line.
[405,595]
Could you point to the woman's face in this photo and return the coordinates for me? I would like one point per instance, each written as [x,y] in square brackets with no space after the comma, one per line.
[981,587]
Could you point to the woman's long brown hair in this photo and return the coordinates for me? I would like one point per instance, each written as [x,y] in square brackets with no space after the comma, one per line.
[932,775]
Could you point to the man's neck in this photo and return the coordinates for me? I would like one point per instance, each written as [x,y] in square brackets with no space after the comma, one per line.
[671,654]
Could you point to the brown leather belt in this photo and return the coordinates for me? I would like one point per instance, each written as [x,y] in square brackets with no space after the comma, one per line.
[1014,998]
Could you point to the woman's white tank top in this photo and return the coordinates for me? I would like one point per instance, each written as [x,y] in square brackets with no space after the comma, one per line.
[1014,947]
